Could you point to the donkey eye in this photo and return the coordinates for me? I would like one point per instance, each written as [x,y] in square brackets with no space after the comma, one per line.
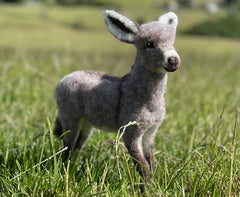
[150,45]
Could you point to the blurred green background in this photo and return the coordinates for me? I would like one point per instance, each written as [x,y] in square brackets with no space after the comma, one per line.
[197,147]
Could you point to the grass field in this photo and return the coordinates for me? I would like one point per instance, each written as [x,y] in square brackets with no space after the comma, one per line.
[197,147]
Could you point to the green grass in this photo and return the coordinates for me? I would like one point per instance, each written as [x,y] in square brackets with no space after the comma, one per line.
[197,147]
[225,26]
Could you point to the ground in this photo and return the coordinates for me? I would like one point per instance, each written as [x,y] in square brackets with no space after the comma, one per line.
[197,147]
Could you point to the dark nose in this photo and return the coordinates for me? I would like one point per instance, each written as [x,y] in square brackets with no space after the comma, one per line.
[173,61]
[173,64]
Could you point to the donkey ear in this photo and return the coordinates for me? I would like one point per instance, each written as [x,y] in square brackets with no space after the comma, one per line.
[169,18]
[122,27]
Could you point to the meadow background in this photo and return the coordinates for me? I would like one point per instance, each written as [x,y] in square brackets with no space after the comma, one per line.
[197,147]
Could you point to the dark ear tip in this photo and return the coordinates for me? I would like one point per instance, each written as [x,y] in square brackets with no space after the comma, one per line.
[170,21]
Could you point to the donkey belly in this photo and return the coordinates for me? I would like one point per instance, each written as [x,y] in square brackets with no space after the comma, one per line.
[101,105]
[102,112]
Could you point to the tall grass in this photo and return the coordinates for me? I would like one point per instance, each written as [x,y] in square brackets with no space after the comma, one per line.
[197,147]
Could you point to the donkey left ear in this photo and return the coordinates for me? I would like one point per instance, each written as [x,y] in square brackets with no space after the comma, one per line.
[122,27]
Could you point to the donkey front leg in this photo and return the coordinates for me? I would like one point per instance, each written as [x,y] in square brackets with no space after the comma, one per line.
[148,145]
[132,138]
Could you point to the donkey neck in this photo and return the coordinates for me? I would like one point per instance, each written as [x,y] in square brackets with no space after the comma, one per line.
[147,82]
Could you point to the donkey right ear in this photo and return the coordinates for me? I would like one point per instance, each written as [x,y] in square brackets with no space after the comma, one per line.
[122,27]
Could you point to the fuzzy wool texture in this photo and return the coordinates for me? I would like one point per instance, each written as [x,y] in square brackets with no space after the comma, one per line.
[88,99]
[109,15]
[96,96]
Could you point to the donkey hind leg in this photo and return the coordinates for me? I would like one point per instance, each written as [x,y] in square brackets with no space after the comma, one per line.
[58,127]
[85,133]
[148,145]
[70,139]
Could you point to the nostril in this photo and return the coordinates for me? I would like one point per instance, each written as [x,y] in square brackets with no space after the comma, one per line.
[173,61]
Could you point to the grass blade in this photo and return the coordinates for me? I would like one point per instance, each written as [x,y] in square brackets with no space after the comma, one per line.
[232,157]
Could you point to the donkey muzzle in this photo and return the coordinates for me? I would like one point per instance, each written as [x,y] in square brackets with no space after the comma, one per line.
[172,61]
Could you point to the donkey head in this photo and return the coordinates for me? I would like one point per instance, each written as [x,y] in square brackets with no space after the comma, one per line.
[154,41]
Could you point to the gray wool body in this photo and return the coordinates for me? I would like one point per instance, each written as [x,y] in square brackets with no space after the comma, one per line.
[88,99]
[110,102]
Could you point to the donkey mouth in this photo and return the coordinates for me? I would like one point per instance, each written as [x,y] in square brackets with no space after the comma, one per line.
[171,68]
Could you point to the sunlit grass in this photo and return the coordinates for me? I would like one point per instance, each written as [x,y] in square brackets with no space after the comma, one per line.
[39,45]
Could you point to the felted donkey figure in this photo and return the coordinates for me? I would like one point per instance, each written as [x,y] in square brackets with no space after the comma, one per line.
[88,99]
